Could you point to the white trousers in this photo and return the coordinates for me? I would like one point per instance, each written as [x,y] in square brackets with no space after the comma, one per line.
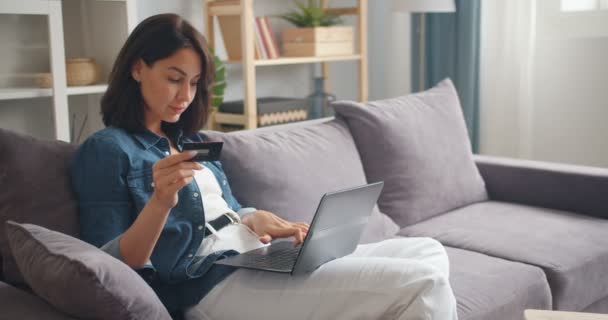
[405,278]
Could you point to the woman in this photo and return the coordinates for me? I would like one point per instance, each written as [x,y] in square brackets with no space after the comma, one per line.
[144,202]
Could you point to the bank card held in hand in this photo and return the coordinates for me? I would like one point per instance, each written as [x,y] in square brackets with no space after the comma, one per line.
[205,151]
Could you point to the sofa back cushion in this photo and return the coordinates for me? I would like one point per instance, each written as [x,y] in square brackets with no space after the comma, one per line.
[286,169]
[35,189]
[418,144]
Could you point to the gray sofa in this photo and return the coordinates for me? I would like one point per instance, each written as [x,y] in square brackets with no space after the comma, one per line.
[536,239]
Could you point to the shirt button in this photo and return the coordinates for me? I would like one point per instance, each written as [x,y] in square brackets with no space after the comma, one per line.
[152,184]
[195,194]
[200,227]
[167,153]
[225,182]
[190,255]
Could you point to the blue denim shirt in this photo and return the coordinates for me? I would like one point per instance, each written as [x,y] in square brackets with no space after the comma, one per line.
[112,177]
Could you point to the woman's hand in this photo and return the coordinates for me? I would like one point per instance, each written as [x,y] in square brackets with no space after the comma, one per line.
[170,174]
[268,226]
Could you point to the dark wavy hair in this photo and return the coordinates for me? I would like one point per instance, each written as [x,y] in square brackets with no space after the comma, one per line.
[156,38]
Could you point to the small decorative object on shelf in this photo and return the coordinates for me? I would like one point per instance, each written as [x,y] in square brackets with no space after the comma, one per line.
[79,72]
[320,101]
[44,80]
[316,33]
[82,71]
[271,110]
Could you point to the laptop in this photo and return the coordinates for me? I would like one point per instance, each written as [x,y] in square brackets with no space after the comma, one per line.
[334,232]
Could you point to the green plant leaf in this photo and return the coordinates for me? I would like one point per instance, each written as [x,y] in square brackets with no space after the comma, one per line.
[219,84]
[310,15]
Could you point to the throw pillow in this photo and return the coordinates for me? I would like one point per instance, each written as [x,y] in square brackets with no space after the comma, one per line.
[36,189]
[286,169]
[419,146]
[80,279]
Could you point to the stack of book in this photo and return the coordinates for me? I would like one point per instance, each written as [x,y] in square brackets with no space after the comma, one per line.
[266,44]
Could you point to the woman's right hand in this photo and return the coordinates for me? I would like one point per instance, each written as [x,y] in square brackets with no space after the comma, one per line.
[172,173]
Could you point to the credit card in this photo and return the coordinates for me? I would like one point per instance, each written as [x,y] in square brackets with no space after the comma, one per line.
[205,151]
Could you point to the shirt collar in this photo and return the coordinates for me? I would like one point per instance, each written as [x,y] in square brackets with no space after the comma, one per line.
[148,138]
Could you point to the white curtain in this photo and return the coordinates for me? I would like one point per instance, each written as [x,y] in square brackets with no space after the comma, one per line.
[508,31]
[543,82]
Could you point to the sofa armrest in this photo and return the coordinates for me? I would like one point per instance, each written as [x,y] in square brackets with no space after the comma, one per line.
[19,304]
[566,187]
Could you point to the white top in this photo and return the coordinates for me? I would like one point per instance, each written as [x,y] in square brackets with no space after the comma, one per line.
[235,236]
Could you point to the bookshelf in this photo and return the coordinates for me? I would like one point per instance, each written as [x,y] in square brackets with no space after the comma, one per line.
[245,10]
[41,35]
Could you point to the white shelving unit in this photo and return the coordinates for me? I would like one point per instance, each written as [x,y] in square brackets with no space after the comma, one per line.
[98,88]
[75,28]
[24,93]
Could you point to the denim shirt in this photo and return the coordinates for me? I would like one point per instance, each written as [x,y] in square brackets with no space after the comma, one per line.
[112,177]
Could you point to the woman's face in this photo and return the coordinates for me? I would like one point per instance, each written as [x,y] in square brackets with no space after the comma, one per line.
[168,86]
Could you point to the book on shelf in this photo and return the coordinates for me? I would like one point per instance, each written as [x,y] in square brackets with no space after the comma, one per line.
[230,28]
[265,41]
[259,22]
[272,37]
[259,37]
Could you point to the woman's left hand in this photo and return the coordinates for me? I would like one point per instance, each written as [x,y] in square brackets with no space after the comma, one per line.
[268,226]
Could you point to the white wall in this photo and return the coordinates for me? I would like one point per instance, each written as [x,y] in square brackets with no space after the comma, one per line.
[388,54]
[563,117]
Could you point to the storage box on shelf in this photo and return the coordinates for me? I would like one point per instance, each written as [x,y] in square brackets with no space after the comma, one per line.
[244,11]
[319,42]
[271,110]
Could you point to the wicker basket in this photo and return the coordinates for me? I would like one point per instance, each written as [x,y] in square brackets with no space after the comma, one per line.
[271,111]
[81,71]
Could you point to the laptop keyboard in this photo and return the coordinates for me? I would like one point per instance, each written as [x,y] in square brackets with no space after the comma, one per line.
[280,259]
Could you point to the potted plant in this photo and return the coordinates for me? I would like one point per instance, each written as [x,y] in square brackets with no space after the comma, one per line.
[217,90]
[316,33]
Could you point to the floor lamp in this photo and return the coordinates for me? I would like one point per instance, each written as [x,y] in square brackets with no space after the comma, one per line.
[423,7]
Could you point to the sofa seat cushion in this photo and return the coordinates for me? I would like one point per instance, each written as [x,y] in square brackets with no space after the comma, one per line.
[40,190]
[572,249]
[493,288]
[419,146]
[286,169]
[18,304]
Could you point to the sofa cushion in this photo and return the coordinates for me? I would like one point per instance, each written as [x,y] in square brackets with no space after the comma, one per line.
[40,192]
[419,146]
[18,304]
[572,249]
[491,288]
[80,279]
[286,169]
[600,306]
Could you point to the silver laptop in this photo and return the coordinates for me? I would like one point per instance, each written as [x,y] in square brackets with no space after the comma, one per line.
[334,232]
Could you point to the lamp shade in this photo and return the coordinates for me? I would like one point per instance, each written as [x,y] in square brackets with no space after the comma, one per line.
[424,5]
